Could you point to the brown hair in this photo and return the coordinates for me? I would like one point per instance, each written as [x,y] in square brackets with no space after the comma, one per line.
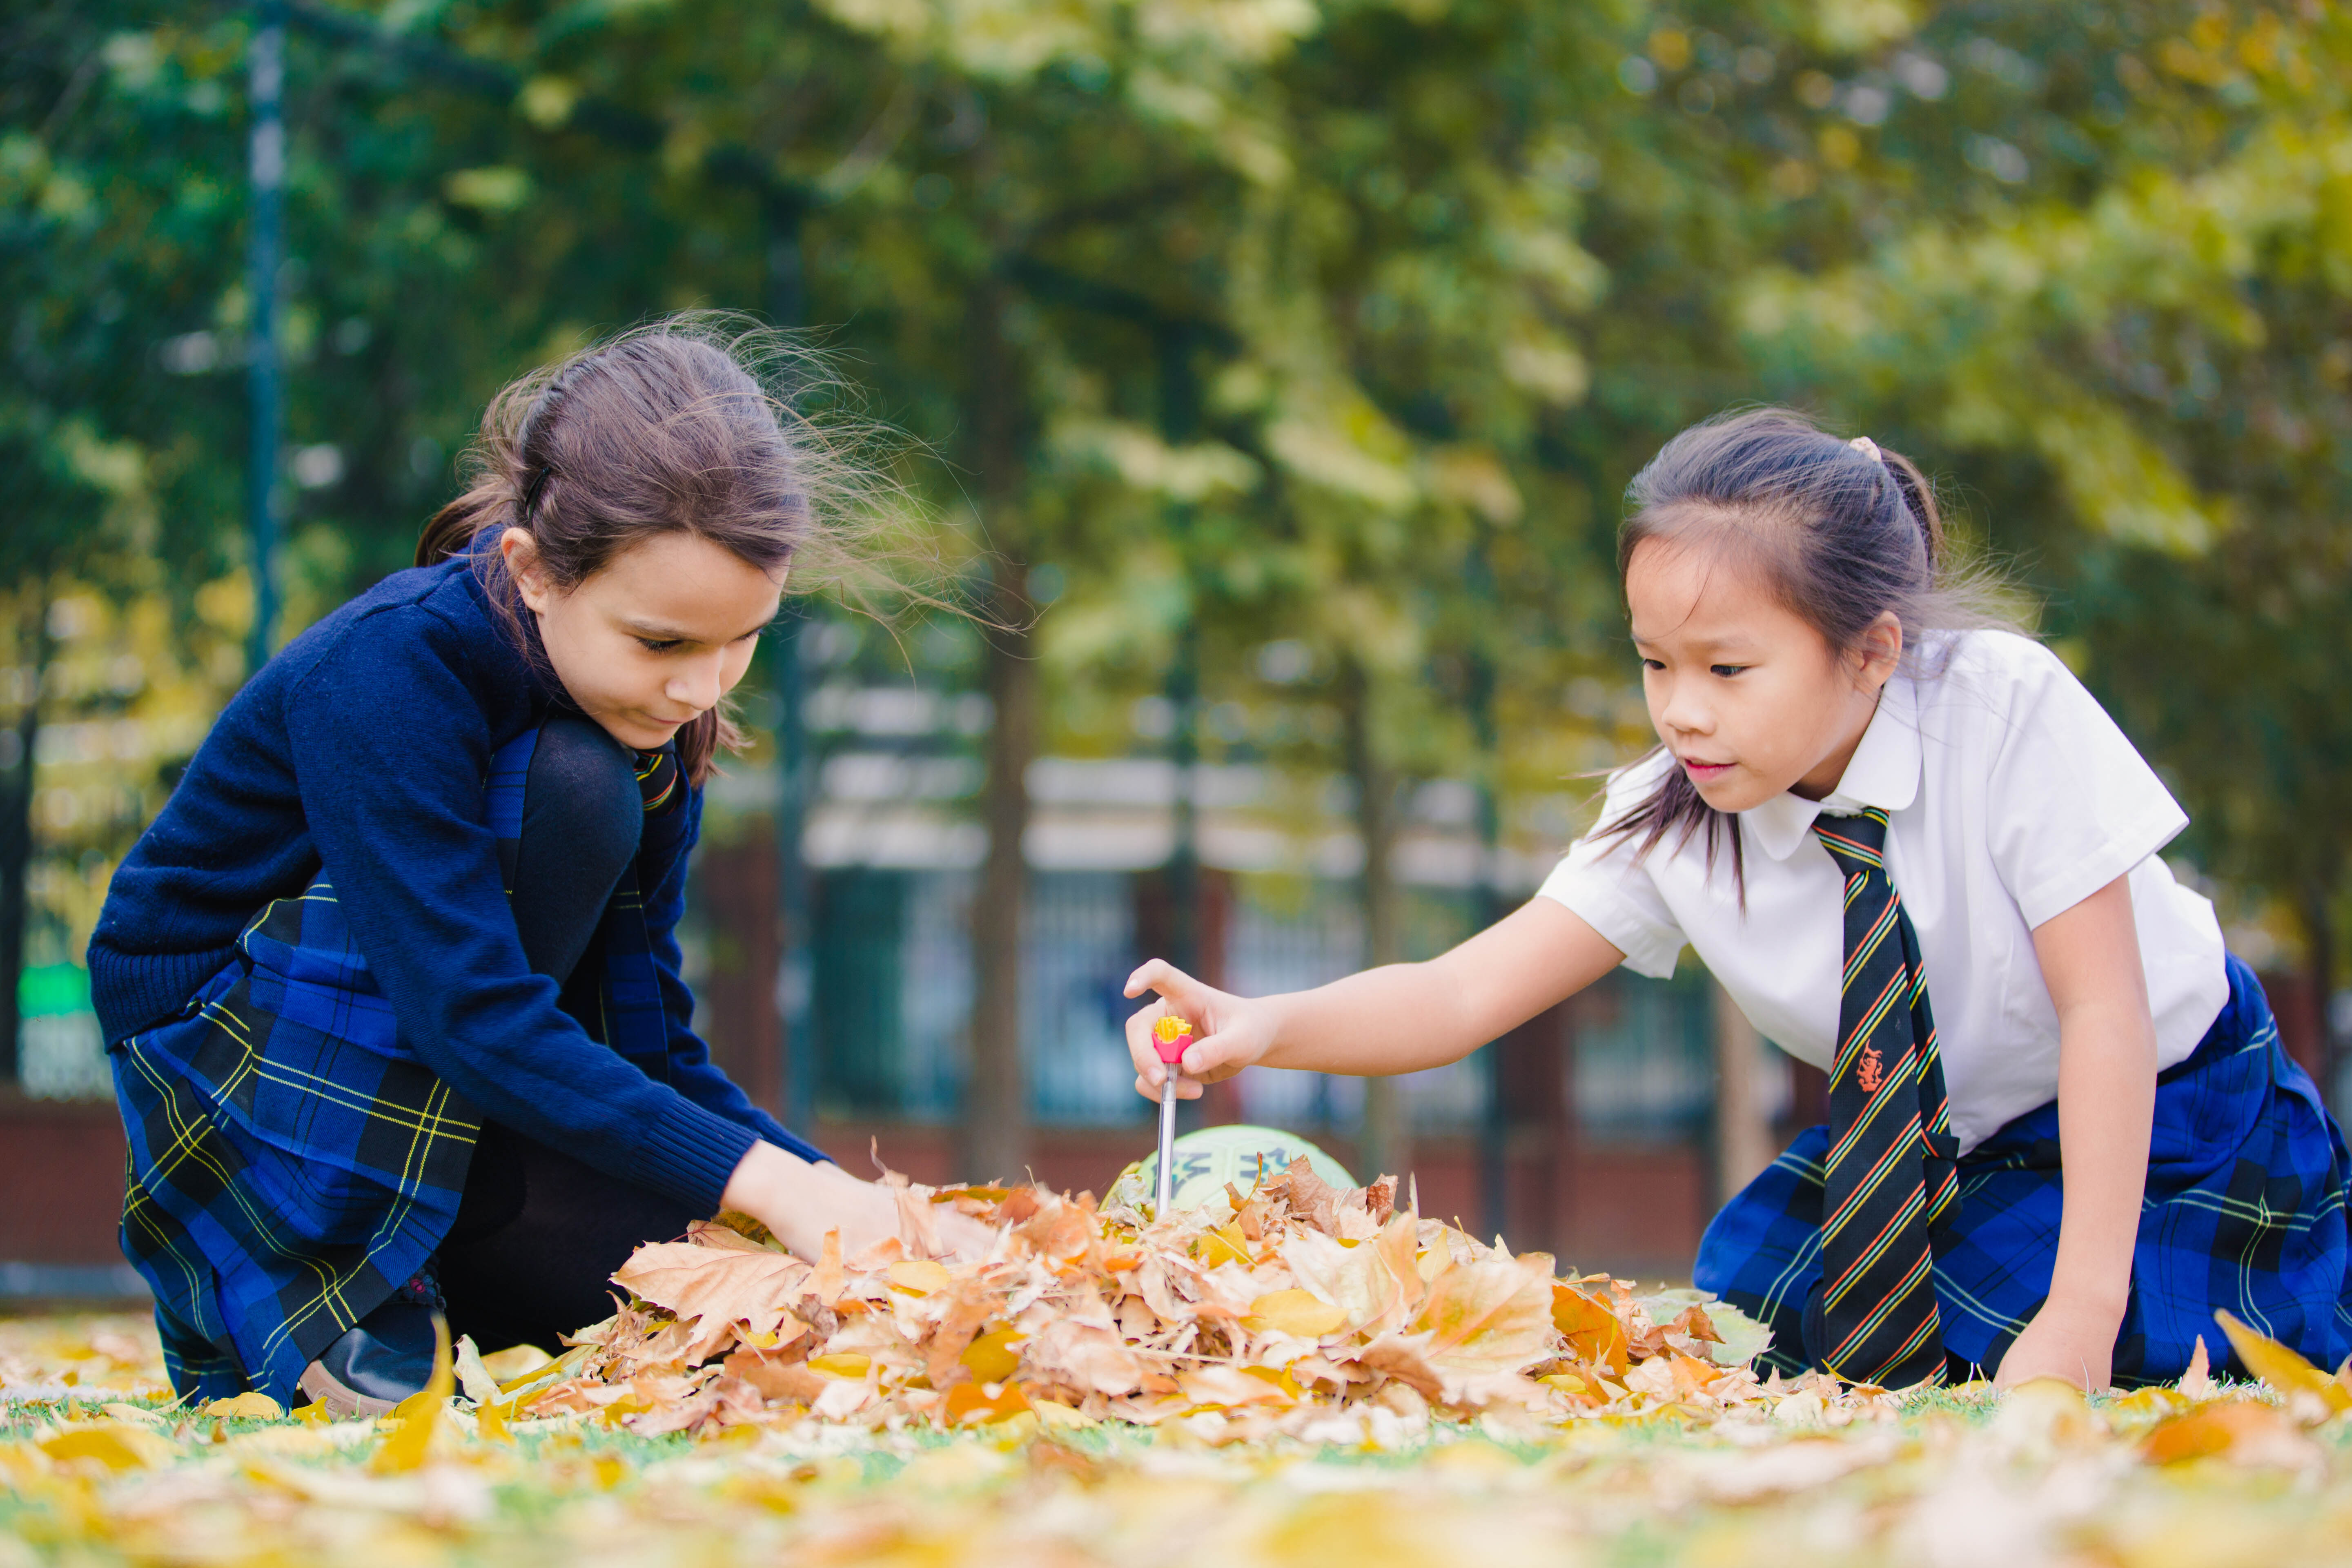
[673,427]
[1843,532]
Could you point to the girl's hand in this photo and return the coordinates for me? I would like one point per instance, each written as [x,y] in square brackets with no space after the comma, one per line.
[2072,1343]
[1232,1031]
[800,1201]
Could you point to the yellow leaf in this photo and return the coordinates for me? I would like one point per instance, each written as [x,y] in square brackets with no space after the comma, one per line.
[1594,1332]
[490,1424]
[1299,1312]
[514,1364]
[420,1413]
[2240,1428]
[842,1363]
[117,1444]
[985,1403]
[1279,1376]
[991,1357]
[250,1405]
[2282,1368]
[1215,1388]
[2150,1401]
[1052,1412]
[918,1277]
[1223,1244]
[135,1412]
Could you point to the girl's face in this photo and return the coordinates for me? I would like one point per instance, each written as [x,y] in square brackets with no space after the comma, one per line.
[656,637]
[1749,697]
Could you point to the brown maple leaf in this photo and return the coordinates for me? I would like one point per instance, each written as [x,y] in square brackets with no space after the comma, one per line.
[716,1286]
[774,1376]
[1309,1197]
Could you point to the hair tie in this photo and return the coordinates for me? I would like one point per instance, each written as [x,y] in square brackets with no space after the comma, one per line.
[1868,449]
[530,492]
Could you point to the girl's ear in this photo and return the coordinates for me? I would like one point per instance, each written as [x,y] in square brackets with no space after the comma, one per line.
[520,553]
[1879,651]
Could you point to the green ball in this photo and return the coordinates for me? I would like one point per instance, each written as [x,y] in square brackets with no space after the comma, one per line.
[1206,1160]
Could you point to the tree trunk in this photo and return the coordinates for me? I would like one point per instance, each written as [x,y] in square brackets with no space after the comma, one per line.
[1743,1122]
[32,646]
[995,1142]
[1387,1145]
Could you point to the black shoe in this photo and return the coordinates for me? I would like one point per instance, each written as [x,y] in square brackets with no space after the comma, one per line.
[381,1360]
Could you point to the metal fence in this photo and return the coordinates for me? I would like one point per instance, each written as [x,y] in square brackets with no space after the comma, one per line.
[893,989]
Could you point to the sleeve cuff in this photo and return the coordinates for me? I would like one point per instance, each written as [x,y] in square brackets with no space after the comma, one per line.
[688,1153]
[1647,949]
[783,1137]
[2114,856]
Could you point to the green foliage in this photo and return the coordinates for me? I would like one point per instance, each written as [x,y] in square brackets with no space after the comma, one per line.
[1336,326]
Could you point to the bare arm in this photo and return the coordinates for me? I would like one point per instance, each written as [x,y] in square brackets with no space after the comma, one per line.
[1398,1018]
[2106,1105]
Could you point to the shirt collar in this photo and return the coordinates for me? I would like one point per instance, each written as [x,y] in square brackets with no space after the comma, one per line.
[1884,773]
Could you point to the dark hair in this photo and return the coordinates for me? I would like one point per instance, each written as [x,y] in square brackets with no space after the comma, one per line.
[668,429]
[1843,531]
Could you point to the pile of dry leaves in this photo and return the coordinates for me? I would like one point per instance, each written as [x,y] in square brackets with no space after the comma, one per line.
[1296,1309]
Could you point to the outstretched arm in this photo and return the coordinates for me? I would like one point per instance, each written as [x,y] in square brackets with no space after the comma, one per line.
[1397,1018]
[2107,1106]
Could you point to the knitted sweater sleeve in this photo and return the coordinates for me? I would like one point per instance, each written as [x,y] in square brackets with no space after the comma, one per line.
[391,751]
[662,863]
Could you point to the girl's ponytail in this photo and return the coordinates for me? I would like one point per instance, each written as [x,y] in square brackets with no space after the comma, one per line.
[492,498]
[1919,499]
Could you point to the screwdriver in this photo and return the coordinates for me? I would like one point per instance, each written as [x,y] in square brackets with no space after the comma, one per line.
[1169,1038]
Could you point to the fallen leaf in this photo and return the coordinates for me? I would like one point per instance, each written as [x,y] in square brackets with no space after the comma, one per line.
[117,1444]
[474,1380]
[715,1288]
[514,1364]
[2281,1367]
[2197,1381]
[1594,1333]
[991,1357]
[419,1414]
[985,1403]
[775,1377]
[918,1277]
[1294,1311]
[1494,1315]
[2243,1431]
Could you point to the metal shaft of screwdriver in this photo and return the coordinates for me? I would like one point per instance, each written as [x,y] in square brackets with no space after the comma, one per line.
[1167,1143]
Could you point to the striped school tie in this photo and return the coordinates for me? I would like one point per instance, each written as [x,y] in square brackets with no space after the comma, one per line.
[657,779]
[1892,1168]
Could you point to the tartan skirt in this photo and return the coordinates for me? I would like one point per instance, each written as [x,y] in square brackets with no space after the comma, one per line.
[291,1162]
[2244,1211]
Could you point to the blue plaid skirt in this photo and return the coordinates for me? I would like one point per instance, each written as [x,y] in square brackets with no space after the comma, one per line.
[2244,1211]
[291,1162]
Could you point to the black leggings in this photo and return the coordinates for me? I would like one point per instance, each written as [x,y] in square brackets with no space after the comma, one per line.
[539,1232]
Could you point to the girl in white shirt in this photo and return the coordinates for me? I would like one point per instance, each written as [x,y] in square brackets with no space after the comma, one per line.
[1918,854]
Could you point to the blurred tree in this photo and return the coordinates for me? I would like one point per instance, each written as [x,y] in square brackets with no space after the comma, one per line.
[1338,326]
[2141,326]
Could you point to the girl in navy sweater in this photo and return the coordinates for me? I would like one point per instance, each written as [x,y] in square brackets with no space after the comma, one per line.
[392,985]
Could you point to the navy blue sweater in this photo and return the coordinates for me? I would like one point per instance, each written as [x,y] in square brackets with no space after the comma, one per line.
[361,751]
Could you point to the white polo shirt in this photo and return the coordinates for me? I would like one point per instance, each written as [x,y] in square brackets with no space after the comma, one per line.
[2011,797]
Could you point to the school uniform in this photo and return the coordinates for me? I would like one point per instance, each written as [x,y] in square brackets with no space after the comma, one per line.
[1993,793]
[315,993]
